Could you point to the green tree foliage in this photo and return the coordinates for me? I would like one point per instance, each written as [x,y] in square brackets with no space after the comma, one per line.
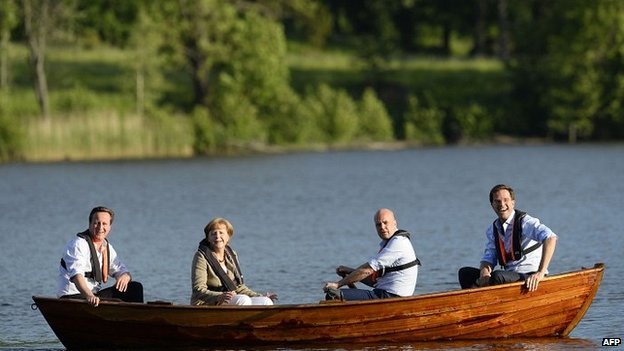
[473,123]
[197,34]
[375,122]
[589,83]
[110,21]
[239,118]
[11,138]
[423,122]
[239,73]
[145,40]
[380,29]
[8,21]
[334,112]
[224,64]
[570,71]
[369,25]
[305,20]
[208,136]
[255,73]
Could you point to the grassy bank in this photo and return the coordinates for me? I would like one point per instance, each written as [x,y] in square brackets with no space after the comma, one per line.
[92,98]
[106,135]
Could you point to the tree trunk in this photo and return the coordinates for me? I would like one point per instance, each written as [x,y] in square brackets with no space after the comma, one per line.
[36,25]
[480,32]
[4,59]
[193,52]
[200,78]
[446,38]
[503,24]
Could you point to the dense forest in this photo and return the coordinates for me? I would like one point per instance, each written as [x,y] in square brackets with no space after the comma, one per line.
[91,79]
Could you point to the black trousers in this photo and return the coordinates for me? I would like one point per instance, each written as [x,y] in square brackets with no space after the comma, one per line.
[468,277]
[134,293]
[362,294]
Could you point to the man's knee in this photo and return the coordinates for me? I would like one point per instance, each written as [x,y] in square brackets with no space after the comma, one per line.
[502,277]
[467,276]
[134,292]
[497,278]
[136,287]
[465,272]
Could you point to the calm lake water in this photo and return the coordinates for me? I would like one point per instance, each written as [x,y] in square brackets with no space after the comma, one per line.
[297,216]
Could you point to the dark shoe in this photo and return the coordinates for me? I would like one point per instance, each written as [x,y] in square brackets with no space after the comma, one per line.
[333,294]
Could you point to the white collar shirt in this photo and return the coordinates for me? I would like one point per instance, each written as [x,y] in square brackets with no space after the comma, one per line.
[77,257]
[398,251]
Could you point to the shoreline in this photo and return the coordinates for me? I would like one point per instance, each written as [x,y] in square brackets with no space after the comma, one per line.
[261,149]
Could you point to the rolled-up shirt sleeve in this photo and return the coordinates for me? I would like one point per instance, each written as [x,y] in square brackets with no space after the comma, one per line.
[533,229]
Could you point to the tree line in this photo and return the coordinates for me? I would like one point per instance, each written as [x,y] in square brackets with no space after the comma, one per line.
[562,64]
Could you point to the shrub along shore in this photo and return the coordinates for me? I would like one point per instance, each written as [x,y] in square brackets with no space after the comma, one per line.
[415,101]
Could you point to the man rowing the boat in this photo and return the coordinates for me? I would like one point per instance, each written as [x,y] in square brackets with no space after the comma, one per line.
[518,242]
[392,272]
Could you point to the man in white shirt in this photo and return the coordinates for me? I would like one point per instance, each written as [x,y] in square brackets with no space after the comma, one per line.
[89,259]
[392,272]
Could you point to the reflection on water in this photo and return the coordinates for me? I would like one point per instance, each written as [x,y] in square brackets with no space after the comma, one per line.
[544,344]
[297,216]
[497,345]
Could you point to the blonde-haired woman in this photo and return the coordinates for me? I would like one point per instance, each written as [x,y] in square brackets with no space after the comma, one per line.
[216,274]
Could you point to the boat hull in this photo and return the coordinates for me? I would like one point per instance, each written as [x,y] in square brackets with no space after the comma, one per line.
[502,311]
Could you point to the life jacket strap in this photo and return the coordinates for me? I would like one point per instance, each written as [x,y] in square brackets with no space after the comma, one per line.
[86,274]
[384,270]
[227,283]
[516,251]
[96,270]
[525,251]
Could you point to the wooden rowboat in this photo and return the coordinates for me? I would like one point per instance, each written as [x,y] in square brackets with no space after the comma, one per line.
[503,311]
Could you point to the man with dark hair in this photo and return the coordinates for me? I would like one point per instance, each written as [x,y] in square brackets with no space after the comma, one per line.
[89,259]
[516,241]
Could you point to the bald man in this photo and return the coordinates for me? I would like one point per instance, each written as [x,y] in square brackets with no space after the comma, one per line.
[391,272]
